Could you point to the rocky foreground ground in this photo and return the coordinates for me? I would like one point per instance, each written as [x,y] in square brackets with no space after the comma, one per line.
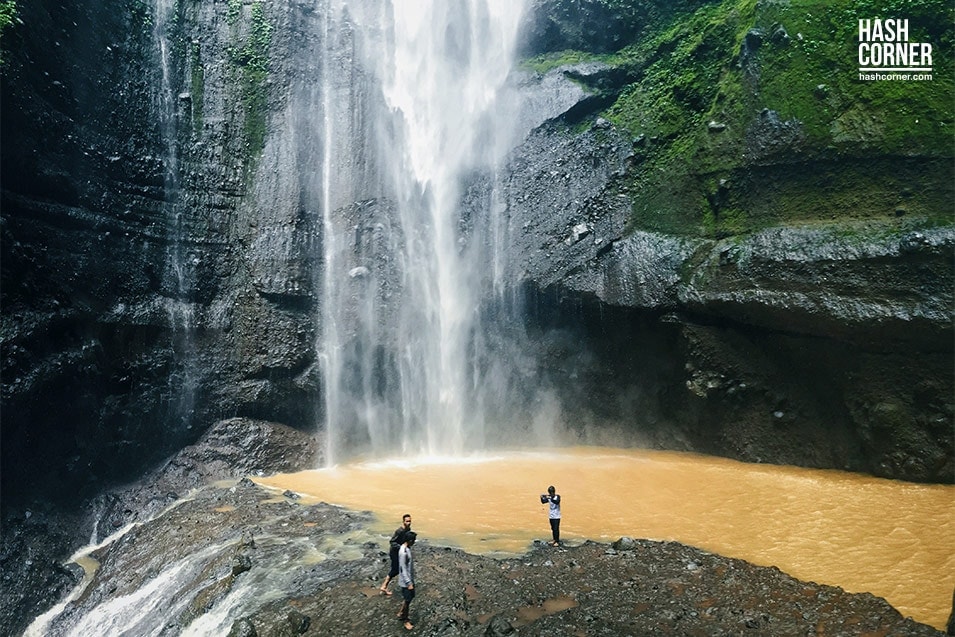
[237,559]
[269,566]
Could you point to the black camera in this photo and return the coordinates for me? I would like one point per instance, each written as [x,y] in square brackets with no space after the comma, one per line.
[543,499]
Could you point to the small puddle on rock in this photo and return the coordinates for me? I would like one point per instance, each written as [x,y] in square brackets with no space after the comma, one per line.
[530,614]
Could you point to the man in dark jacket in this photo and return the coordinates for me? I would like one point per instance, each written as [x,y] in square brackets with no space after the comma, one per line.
[393,544]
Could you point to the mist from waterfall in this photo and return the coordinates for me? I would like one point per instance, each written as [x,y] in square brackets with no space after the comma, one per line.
[417,116]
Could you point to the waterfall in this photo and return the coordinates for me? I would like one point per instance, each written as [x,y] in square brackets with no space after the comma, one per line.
[331,347]
[406,268]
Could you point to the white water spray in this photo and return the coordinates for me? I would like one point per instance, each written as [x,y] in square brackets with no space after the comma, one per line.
[449,64]
[330,353]
[403,279]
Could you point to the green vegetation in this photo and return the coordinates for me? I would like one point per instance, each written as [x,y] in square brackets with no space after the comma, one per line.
[8,16]
[141,15]
[548,61]
[251,59]
[749,114]
[816,80]
[235,12]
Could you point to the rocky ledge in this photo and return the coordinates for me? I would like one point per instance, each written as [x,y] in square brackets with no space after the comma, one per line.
[38,538]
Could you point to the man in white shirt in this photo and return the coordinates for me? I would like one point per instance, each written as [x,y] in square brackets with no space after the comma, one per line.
[553,513]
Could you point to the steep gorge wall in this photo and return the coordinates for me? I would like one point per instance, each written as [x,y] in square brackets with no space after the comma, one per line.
[160,263]
[156,257]
[797,262]
[800,345]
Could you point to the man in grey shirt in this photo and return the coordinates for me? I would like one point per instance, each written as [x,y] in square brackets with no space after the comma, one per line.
[406,576]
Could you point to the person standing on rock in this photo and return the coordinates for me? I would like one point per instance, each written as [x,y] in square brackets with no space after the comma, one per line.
[553,513]
[393,545]
[406,577]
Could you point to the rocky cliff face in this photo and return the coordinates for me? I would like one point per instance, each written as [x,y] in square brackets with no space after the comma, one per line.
[820,345]
[697,270]
[792,267]
[156,258]
[161,258]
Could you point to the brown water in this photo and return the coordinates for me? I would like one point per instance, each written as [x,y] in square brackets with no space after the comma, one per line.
[893,539]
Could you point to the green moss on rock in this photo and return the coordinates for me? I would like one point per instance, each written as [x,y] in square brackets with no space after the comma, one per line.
[250,59]
[549,61]
[752,113]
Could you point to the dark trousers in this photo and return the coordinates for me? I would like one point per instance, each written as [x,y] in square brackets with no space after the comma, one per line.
[555,528]
[393,554]
[407,594]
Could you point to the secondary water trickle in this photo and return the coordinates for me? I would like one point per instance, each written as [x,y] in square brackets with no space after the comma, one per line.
[890,538]
[180,265]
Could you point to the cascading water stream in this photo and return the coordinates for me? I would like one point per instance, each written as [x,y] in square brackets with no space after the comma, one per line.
[443,84]
[401,346]
[180,273]
[330,354]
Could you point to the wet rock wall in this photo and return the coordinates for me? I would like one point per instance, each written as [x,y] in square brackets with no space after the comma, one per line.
[156,258]
[823,344]
[160,262]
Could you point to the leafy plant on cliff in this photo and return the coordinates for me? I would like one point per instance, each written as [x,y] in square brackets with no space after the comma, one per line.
[8,13]
[8,16]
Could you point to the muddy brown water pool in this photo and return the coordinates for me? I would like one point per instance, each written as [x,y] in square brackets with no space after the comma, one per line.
[890,538]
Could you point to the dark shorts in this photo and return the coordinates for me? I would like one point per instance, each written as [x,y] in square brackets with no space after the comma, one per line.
[394,563]
[407,594]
